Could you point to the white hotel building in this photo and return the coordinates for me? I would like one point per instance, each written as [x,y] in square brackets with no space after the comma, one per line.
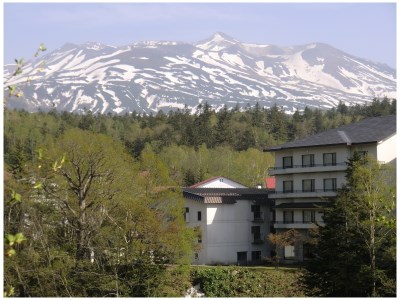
[309,171]
[235,220]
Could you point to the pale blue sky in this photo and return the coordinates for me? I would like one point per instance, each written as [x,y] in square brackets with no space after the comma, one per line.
[366,30]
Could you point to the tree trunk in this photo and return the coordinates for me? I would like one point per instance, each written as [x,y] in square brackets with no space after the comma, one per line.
[81,232]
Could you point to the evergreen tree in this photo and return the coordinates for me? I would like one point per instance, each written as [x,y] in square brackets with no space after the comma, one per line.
[222,130]
[277,123]
[356,245]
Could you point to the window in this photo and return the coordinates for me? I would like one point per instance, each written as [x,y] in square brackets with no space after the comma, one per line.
[196,256]
[329,184]
[242,258]
[221,180]
[198,234]
[199,216]
[256,256]
[308,185]
[307,160]
[287,162]
[256,210]
[329,159]
[288,216]
[186,214]
[308,216]
[255,230]
[288,186]
[289,252]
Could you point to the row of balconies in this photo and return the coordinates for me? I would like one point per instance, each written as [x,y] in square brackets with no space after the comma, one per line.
[296,224]
[307,169]
[324,193]
[287,224]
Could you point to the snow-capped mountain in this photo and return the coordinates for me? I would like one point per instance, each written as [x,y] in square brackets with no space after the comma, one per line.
[151,76]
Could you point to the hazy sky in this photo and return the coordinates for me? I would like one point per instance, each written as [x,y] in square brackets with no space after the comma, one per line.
[366,30]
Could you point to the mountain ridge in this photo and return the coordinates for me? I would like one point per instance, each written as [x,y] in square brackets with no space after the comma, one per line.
[150,76]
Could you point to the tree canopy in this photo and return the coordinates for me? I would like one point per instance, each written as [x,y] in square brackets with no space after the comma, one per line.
[95,202]
[356,250]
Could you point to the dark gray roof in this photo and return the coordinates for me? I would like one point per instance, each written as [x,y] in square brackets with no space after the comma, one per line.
[225,195]
[303,205]
[370,130]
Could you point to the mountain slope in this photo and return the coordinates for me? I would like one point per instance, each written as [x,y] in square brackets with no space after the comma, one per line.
[151,76]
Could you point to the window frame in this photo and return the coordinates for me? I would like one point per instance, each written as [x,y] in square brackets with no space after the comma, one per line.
[289,166]
[333,159]
[288,213]
[186,215]
[241,257]
[256,211]
[312,187]
[312,216]
[334,184]
[284,189]
[292,251]
[256,232]
[311,163]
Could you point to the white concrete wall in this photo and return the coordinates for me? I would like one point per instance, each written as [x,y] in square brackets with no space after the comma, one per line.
[194,207]
[318,177]
[226,230]
[229,232]
[342,152]
[387,150]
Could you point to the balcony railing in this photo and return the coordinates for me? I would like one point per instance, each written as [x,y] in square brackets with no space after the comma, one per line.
[295,222]
[308,166]
[258,216]
[338,167]
[304,191]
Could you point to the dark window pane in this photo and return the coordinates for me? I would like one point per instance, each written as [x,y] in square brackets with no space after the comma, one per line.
[287,162]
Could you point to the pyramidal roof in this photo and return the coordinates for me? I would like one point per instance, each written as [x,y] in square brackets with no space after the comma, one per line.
[370,130]
[218,182]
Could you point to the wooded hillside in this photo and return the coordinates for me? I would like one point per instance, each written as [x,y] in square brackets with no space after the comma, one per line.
[93,202]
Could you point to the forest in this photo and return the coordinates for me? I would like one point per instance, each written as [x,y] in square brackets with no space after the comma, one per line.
[93,203]
[193,147]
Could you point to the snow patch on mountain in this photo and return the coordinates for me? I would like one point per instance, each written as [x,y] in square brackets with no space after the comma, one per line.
[154,75]
[298,67]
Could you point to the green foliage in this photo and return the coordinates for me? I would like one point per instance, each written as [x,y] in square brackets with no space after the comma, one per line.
[94,206]
[94,212]
[13,90]
[246,282]
[355,250]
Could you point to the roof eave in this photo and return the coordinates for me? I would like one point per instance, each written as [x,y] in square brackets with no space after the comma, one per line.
[320,146]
